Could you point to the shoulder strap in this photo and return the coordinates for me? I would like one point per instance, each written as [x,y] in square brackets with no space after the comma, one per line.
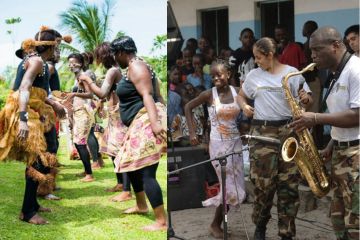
[214,93]
[334,78]
[233,91]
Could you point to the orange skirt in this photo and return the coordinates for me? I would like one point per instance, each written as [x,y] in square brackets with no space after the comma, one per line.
[41,120]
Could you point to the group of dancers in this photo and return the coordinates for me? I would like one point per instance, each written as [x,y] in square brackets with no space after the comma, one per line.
[135,136]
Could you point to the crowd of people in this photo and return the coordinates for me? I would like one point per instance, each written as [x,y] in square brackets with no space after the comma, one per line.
[214,99]
[134,138]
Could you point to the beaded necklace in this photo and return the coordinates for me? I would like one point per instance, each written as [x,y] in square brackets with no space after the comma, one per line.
[28,56]
[140,59]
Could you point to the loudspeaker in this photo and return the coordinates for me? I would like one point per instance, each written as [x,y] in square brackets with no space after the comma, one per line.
[186,188]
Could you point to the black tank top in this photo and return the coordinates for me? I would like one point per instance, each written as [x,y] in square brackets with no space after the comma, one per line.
[130,100]
[41,81]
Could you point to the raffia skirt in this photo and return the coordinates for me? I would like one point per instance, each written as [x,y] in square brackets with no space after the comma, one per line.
[140,147]
[41,120]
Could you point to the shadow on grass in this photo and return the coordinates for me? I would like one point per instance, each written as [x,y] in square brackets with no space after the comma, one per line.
[90,214]
[65,219]
[79,192]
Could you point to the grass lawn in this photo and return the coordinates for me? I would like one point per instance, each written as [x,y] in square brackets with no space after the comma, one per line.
[84,212]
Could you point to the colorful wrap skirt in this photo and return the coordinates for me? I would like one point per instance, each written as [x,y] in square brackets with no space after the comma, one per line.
[140,147]
[114,133]
[83,118]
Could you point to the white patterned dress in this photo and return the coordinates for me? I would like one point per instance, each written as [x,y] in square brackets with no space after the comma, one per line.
[225,138]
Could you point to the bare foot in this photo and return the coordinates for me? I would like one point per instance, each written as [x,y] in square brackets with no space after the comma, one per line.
[44,209]
[216,232]
[82,174]
[136,210]
[155,227]
[117,188]
[95,165]
[52,197]
[101,161]
[88,178]
[37,220]
[122,197]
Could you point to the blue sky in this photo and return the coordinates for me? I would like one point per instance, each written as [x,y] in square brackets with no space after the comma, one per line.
[140,19]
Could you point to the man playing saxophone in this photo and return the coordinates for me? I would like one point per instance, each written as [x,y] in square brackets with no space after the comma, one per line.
[271,114]
[343,101]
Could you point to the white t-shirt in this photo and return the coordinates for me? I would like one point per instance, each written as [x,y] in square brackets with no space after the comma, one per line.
[345,95]
[269,96]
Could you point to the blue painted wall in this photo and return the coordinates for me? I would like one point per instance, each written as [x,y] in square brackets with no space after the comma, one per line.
[188,32]
[234,32]
[340,19]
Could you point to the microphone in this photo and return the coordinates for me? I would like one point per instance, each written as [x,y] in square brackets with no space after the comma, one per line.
[263,139]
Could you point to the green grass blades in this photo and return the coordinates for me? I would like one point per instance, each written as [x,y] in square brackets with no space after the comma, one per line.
[85,211]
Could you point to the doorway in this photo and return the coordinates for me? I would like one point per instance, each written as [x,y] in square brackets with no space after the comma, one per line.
[277,12]
[215,27]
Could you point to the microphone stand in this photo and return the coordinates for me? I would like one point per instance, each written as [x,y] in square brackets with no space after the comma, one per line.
[170,230]
[222,160]
[223,163]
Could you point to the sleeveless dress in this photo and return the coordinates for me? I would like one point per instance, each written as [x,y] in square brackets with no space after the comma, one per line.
[225,138]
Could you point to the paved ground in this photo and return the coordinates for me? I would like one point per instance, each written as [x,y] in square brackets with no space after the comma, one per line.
[310,225]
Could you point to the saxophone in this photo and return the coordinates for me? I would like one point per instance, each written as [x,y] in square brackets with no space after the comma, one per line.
[302,149]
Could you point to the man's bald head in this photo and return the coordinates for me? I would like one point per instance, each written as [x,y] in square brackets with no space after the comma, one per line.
[327,48]
[327,35]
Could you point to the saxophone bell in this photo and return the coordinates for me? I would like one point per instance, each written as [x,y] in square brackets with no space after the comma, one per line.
[289,149]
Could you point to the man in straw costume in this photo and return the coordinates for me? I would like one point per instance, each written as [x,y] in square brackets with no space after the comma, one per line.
[27,116]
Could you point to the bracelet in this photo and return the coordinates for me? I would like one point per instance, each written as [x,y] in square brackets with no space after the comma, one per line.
[24,116]
[315,120]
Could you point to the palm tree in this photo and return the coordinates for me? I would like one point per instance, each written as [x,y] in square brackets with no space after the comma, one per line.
[88,24]
[159,42]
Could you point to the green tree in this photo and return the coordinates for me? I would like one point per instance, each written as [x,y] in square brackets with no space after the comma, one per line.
[88,23]
[159,42]
[159,61]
